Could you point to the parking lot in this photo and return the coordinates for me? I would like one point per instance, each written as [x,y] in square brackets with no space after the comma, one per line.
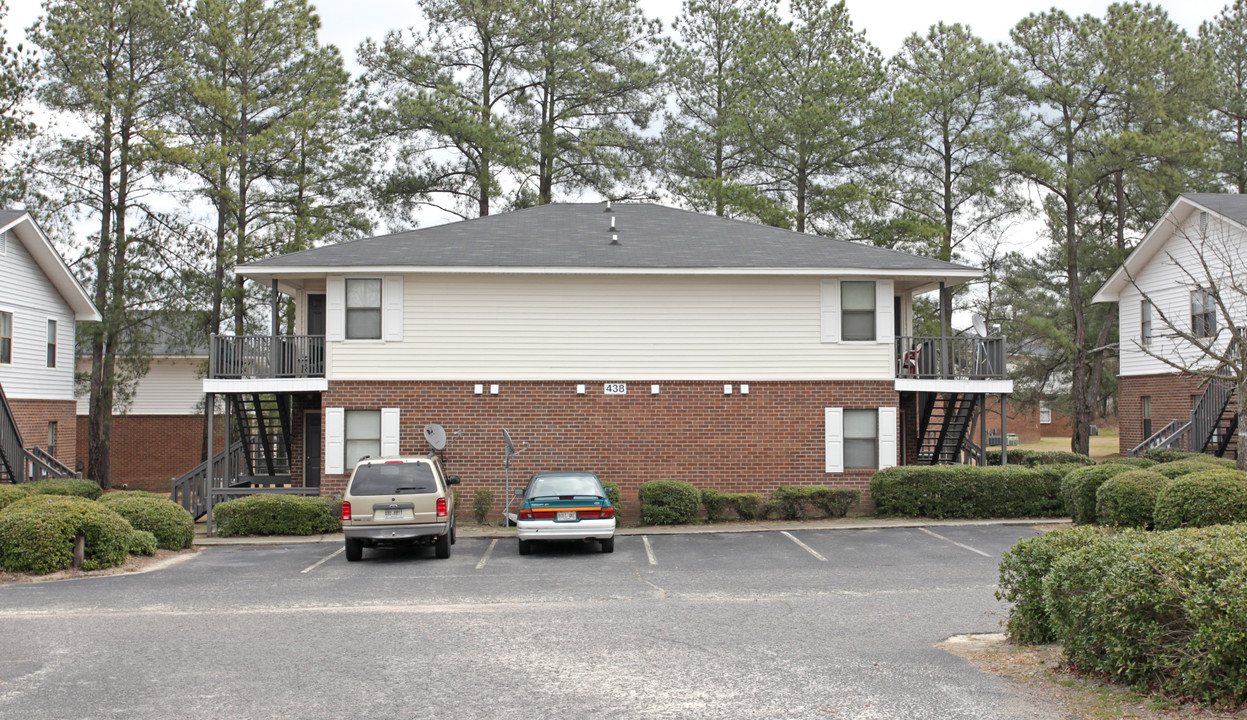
[807,623]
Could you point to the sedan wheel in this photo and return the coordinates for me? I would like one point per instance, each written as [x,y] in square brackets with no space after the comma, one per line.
[526,547]
[608,545]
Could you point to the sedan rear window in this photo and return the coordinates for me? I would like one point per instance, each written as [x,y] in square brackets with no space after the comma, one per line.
[393,479]
[556,485]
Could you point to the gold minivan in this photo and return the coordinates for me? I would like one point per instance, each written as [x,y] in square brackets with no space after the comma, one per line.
[398,501]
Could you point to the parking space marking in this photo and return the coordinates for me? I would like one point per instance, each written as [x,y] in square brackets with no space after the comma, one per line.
[649,551]
[805,547]
[485,557]
[321,561]
[954,542]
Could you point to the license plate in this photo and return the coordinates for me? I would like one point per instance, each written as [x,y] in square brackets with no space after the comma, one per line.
[566,515]
[393,514]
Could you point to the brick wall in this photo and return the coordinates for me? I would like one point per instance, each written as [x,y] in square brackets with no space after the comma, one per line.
[690,431]
[148,451]
[33,417]
[1171,399]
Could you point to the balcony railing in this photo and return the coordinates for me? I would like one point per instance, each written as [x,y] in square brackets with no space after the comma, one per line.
[267,356]
[961,357]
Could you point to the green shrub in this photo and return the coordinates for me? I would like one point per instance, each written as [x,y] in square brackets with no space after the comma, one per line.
[1135,462]
[1031,458]
[141,542]
[714,502]
[770,509]
[278,515]
[1178,468]
[832,502]
[790,501]
[37,534]
[612,494]
[1160,611]
[11,494]
[1078,490]
[1022,570]
[482,503]
[668,502]
[745,505]
[114,495]
[172,525]
[1128,499]
[77,487]
[960,491]
[1168,455]
[1212,497]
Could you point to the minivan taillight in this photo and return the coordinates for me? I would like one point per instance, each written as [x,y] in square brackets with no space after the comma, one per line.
[346,511]
[441,507]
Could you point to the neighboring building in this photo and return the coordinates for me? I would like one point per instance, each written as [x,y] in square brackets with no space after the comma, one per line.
[637,341]
[40,302]
[1165,306]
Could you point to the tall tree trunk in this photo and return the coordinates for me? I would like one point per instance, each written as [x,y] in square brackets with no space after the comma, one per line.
[802,188]
[100,406]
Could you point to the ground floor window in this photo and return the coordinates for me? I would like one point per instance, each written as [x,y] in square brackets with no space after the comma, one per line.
[1145,408]
[861,438]
[52,438]
[363,436]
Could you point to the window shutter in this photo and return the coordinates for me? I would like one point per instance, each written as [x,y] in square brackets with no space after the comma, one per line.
[389,432]
[335,308]
[833,440]
[830,310]
[335,439]
[885,330]
[392,308]
[887,437]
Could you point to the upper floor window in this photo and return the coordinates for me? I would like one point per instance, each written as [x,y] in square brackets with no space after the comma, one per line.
[1203,313]
[363,308]
[857,310]
[51,343]
[1145,323]
[6,337]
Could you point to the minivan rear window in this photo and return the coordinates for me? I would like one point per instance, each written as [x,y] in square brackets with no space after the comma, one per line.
[393,479]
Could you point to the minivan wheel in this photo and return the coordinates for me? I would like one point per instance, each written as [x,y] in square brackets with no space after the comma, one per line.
[354,550]
[608,545]
[526,547]
[443,546]
[452,533]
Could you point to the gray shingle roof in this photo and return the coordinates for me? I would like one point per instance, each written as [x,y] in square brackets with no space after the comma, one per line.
[8,216]
[1232,206]
[578,236]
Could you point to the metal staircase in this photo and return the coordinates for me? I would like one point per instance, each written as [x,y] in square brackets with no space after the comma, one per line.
[946,420]
[263,423]
[1209,428]
[12,456]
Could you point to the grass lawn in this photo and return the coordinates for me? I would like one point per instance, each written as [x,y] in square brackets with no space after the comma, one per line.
[1102,445]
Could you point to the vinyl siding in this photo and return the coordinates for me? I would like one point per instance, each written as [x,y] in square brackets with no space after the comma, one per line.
[1165,283]
[498,328]
[172,386]
[28,294]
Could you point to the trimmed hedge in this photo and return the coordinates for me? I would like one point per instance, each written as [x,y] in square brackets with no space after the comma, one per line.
[1159,611]
[1212,497]
[714,502]
[11,494]
[114,495]
[170,523]
[482,503]
[37,534]
[1031,458]
[1135,462]
[794,501]
[745,505]
[1128,499]
[77,487]
[668,502]
[141,542]
[1078,490]
[612,494]
[278,515]
[959,491]
[1178,468]
[1022,570]
[1168,455]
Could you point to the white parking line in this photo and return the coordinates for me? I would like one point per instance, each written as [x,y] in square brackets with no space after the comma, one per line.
[807,548]
[954,542]
[485,557]
[321,561]
[649,551]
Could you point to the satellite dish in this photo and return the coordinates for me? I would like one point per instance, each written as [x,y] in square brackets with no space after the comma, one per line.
[506,436]
[980,326]
[435,436]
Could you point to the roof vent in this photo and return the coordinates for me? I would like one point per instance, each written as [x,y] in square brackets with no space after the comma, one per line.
[612,223]
[608,206]
[614,240]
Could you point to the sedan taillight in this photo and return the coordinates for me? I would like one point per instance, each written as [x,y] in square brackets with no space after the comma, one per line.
[346,511]
[441,507]
[603,513]
[526,515]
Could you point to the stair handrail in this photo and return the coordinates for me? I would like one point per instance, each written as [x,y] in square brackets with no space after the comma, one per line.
[191,490]
[1158,438]
[1206,415]
[12,456]
[37,468]
[50,460]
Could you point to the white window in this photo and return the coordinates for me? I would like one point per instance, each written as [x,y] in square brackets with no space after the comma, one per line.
[1145,323]
[6,337]
[860,438]
[857,310]
[1203,313]
[52,438]
[1045,414]
[51,343]
[363,436]
[363,308]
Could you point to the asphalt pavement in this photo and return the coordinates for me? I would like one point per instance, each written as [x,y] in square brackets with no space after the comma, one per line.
[800,623]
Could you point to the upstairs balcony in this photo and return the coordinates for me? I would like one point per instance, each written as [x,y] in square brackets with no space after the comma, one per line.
[963,358]
[266,357]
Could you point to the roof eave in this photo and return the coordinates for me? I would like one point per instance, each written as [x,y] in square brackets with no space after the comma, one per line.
[54,267]
[264,273]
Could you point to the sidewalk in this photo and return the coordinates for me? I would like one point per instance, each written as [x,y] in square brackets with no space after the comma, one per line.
[488,531]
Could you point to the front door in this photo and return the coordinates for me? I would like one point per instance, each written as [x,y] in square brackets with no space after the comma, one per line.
[315,314]
[311,449]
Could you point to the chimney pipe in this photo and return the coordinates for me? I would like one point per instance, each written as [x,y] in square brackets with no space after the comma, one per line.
[614,240]
[612,223]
